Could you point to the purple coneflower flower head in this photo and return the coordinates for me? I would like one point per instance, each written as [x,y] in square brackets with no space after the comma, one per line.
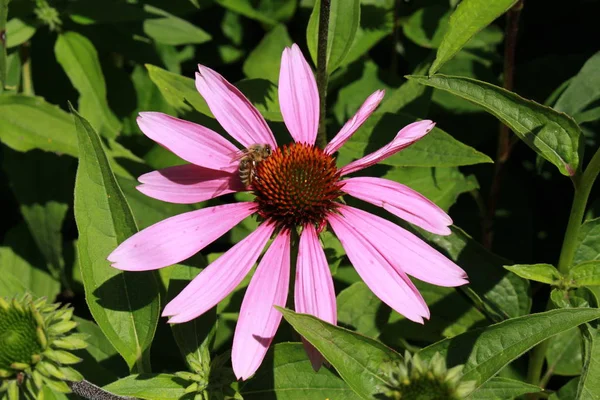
[297,188]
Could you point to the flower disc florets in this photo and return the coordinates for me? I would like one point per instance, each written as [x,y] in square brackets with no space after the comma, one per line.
[297,185]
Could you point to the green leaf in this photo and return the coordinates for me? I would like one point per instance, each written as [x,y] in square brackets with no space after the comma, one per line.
[567,392]
[499,388]
[356,358]
[484,352]
[288,375]
[583,89]
[357,308]
[544,273]
[264,61]
[588,239]
[79,59]
[124,304]
[193,338]
[564,353]
[585,274]
[10,285]
[149,387]
[344,19]
[18,32]
[263,94]
[246,8]
[589,385]
[28,123]
[470,17]
[172,30]
[553,135]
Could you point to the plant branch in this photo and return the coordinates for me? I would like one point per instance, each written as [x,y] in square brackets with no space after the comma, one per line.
[504,142]
[322,77]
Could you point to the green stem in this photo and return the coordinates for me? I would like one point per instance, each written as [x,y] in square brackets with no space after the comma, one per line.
[322,77]
[3,18]
[26,79]
[536,362]
[583,188]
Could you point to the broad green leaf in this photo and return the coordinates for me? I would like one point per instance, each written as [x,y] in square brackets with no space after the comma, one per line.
[583,89]
[589,384]
[28,123]
[79,59]
[42,184]
[263,94]
[18,32]
[507,293]
[484,352]
[357,308]
[193,338]
[21,260]
[544,273]
[410,98]
[553,135]
[585,274]
[376,22]
[344,19]
[124,304]
[172,30]
[564,353]
[286,374]
[264,61]
[503,389]
[588,239]
[356,358]
[149,387]
[247,9]
[470,17]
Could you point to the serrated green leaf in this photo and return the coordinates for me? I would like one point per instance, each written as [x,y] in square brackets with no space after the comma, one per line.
[588,238]
[28,123]
[79,59]
[288,375]
[172,30]
[344,20]
[356,358]
[264,61]
[484,352]
[470,17]
[553,135]
[589,385]
[585,274]
[503,389]
[149,386]
[124,304]
[583,89]
[18,32]
[544,273]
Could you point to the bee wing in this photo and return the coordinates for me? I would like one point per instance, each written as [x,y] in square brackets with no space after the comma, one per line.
[237,155]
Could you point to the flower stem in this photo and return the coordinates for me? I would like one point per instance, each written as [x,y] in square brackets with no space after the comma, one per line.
[3,18]
[322,77]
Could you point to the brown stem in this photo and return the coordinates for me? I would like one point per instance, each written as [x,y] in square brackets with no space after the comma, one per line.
[322,77]
[504,140]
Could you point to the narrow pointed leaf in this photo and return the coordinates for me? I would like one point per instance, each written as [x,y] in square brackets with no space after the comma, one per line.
[357,358]
[583,89]
[124,304]
[503,389]
[484,352]
[544,273]
[553,135]
[149,387]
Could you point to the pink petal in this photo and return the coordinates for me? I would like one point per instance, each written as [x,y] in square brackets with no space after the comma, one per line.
[313,290]
[233,110]
[401,201]
[405,251]
[192,142]
[407,136]
[219,279]
[177,238]
[187,184]
[258,320]
[355,122]
[390,284]
[298,96]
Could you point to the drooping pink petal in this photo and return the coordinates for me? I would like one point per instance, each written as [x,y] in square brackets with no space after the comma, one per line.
[407,136]
[259,319]
[401,201]
[313,289]
[355,122]
[298,96]
[405,251]
[187,184]
[192,142]
[218,279]
[233,110]
[390,284]
[177,238]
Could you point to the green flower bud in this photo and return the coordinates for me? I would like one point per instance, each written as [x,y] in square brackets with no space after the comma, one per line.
[415,379]
[34,337]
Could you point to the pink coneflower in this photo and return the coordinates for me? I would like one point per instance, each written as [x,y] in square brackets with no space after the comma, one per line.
[296,188]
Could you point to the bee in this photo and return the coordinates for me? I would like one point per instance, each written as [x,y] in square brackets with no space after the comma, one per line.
[249,160]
